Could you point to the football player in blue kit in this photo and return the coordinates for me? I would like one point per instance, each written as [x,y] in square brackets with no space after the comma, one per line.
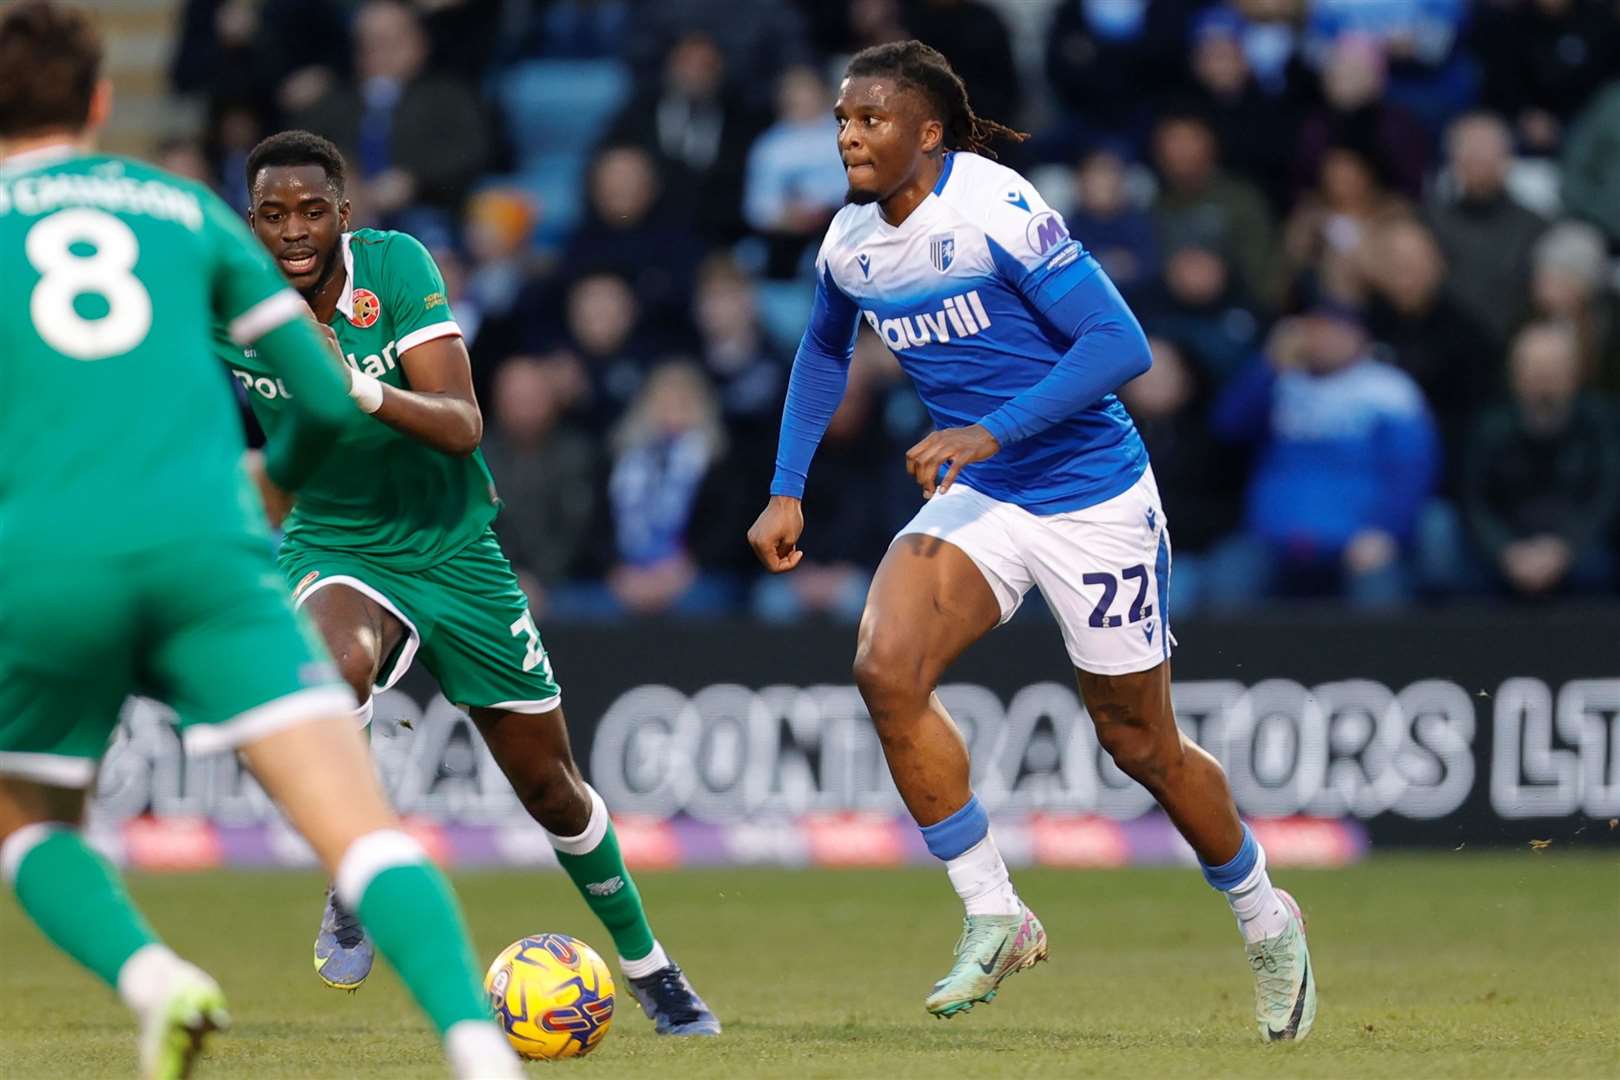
[1035,476]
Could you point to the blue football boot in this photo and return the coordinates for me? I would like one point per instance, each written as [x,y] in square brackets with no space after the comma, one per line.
[343,952]
[671,1003]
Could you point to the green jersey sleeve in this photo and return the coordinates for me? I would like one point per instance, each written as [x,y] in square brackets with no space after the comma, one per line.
[415,294]
[259,308]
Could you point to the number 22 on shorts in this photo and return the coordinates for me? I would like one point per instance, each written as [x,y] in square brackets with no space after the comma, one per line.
[536,653]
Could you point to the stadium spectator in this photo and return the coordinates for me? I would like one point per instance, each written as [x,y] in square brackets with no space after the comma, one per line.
[1111,226]
[664,495]
[1324,236]
[1569,281]
[1199,201]
[1110,63]
[545,470]
[1542,61]
[1200,307]
[795,180]
[1355,112]
[748,376]
[1274,47]
[1429,335]
[1543,474]
[755,42]
[1200,479]
[413,136]
[870,22]
[1345,459]
[1256,130]
[975,36]
[578,30]
[1591,163]
[1419,39]
[265,53]
[497,233]
[853,521]
[698,131]
[633,228]
[1484,234]
[603,320]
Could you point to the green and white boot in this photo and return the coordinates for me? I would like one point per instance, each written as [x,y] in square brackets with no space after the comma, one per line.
[174,1026]
[1284,984]
[991,948]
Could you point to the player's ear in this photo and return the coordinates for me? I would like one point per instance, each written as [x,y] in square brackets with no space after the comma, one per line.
[343,215]
[101,103]
[933,135]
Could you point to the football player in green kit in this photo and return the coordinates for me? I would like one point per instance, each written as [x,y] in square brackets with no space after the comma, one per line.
[389,547]
[134,556]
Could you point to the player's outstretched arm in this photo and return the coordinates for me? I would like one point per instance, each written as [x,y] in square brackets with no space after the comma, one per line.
[319,398]
[816,386]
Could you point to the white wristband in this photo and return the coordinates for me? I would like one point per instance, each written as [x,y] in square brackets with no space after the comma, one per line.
[366,391]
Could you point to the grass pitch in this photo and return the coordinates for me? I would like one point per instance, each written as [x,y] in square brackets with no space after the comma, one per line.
[1434,966]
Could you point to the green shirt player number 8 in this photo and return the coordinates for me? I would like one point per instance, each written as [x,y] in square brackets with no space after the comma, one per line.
[127,524]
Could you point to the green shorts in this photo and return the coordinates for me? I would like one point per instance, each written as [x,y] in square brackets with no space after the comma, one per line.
[204,626]
[467,618]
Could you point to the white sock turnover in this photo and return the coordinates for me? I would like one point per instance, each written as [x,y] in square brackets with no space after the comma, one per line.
[980,878]
[1260,911]
[640,969]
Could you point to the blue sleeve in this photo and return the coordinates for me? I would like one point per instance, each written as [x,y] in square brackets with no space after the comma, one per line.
[1242,412]
[1410,450]
[1074,295]
[816,386]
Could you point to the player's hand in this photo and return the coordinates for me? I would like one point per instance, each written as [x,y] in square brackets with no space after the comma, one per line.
[277,503]
[774,535]
[958,445]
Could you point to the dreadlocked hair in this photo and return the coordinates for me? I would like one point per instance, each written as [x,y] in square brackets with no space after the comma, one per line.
[924,68]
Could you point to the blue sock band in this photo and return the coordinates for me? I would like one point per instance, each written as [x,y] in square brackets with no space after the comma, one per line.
[1229,876]
[949,838]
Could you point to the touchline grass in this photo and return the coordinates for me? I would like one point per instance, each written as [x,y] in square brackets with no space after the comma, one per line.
[1442,965]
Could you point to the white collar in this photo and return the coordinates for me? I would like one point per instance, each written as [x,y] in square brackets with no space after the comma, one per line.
[40,157]
[345,300]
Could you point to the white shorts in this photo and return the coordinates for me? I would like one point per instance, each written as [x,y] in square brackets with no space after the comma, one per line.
[1104,570]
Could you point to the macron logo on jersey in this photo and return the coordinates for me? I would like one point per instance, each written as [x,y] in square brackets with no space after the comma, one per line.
[958,317]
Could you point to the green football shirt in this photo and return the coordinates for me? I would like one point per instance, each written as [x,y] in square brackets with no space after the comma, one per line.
[117,432]
[381,493]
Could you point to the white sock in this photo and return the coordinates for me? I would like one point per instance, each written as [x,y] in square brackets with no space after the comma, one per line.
[1260,911]
[640,969]
[478,1051]
[145,976]
[980,878]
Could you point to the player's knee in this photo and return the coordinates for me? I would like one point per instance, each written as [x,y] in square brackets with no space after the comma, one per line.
[1138,750]
[889,671]
[357,666]
[554,795]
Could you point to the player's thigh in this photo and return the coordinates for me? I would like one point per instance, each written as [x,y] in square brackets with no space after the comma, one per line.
[1105,573]
[485,648]
[949,577]
[231,655]
[362,611]
[68,637]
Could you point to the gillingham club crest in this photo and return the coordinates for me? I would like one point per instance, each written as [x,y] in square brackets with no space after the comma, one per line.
[366,308]
[942,251]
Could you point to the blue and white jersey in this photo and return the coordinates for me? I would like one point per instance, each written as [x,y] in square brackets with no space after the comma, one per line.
[976,294]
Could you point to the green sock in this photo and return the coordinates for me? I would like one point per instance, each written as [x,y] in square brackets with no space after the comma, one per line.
[411,914]
[75,897]
[607,887]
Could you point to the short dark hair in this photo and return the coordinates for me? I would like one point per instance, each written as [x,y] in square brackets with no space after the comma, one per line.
[297,148]
[924,69]
[50,61]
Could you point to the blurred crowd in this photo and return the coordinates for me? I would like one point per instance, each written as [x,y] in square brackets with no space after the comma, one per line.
[1372,242]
